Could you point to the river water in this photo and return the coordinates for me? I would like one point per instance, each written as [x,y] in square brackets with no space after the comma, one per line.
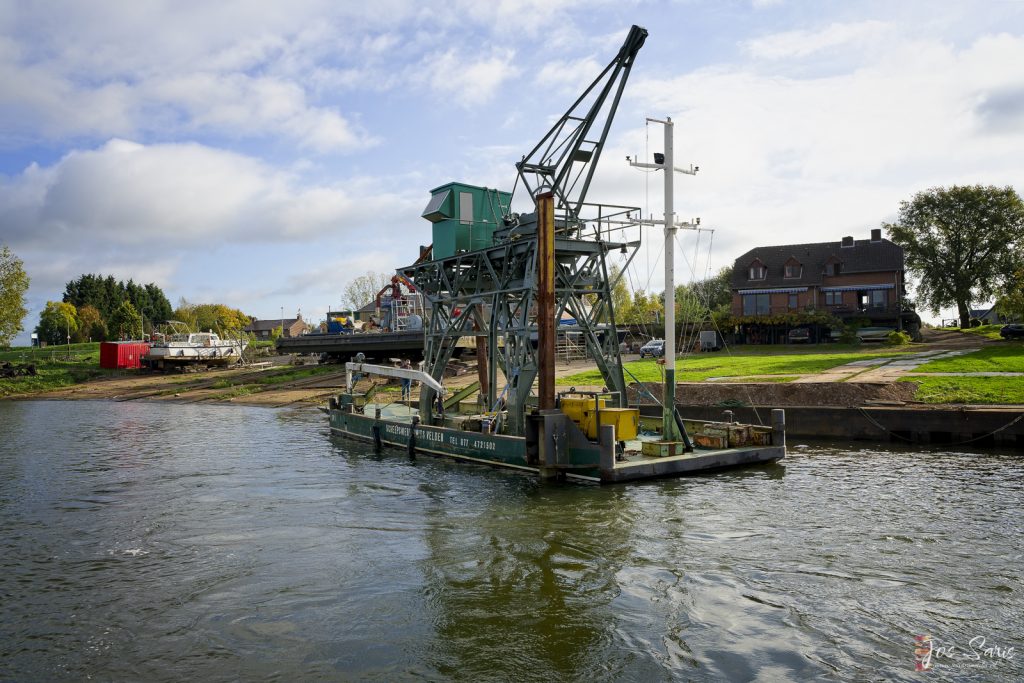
[143,541]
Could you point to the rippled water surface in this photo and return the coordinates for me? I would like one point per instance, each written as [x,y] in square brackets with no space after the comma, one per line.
[173,542]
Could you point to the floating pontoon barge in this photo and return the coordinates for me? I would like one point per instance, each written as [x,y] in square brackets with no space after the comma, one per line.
[506,283]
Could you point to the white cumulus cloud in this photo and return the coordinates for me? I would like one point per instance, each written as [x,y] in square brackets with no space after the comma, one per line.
[174,196]
[801,43]
[468,79]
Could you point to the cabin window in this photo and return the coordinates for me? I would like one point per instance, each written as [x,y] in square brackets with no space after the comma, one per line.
[833,298]
[756,304]
[465,207]
[794,271]
[758,272]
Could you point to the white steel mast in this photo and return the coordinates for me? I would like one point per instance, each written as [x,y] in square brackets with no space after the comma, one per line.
[665,162]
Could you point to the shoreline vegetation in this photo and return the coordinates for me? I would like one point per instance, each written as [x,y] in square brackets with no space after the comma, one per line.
[73,372]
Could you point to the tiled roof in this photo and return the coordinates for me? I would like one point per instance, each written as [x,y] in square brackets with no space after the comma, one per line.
[864,256]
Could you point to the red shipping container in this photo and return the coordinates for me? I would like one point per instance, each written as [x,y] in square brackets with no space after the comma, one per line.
[122,355]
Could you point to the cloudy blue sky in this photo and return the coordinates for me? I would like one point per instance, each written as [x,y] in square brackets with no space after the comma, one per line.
[261,154]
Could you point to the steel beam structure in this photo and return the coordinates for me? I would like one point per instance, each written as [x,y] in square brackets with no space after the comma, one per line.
[492,293]
[565,159]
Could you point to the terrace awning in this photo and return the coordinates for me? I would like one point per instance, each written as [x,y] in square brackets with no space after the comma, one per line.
[856,288]
[787,290]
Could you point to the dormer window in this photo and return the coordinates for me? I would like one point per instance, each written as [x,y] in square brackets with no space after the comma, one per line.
[833,266]
[758,271]
[793,269]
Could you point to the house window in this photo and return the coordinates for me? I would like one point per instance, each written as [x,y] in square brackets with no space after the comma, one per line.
[792,301]
[878,298]
[794,271]
[833,298]
[756,304]
[832,269]
[758,272]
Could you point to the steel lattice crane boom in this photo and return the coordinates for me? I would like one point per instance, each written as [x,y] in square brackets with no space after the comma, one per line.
[565,159]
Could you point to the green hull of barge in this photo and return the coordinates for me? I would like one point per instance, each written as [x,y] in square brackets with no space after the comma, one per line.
[512,452]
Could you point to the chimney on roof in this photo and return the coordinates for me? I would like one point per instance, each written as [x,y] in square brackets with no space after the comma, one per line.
[847,242]
[876,235]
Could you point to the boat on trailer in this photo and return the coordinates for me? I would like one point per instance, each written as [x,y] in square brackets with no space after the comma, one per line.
[178,348]
[505,280]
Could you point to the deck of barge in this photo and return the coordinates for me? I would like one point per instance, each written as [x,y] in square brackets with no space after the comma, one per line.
[637,467]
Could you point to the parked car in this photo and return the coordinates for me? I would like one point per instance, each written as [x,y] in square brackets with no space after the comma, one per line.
[799,335]
[1012,331]
[878,334]
[654,348]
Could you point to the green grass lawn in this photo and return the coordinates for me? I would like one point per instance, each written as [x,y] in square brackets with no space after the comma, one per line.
[981,390]
[987,331]
[1006,357]
[746,363]
[267,380]
[62,366]
[56,367]
[89,352]
[292,374]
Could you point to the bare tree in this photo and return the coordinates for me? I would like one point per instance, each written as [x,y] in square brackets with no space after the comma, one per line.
[363,289]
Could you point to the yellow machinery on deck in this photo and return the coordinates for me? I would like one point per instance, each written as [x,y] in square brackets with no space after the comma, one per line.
[589,411]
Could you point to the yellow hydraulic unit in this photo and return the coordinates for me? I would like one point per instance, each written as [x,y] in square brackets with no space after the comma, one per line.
[591,412]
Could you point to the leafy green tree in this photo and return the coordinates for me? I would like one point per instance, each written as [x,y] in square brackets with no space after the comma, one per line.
[216,317]
[13,285]
[57,322]
[688,307]
[620,293]
[106,294]
[716,291]
[698,301]
[125,322]
[1011,300]
[90,324]
[620,297]
[645,309]
[159,307]
[963,243]
[186,313]
[88,290]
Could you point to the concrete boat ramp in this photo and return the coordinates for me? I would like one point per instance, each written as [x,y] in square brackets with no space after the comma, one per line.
[882,369]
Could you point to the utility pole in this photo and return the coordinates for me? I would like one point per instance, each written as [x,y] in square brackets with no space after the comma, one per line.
[665,162]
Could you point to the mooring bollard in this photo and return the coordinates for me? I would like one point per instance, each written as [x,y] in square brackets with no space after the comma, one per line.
[727,416]
[778,427]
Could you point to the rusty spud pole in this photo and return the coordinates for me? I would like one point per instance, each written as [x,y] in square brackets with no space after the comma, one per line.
[546,299]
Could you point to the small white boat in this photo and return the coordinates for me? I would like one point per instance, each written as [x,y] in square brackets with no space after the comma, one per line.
[179,348]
